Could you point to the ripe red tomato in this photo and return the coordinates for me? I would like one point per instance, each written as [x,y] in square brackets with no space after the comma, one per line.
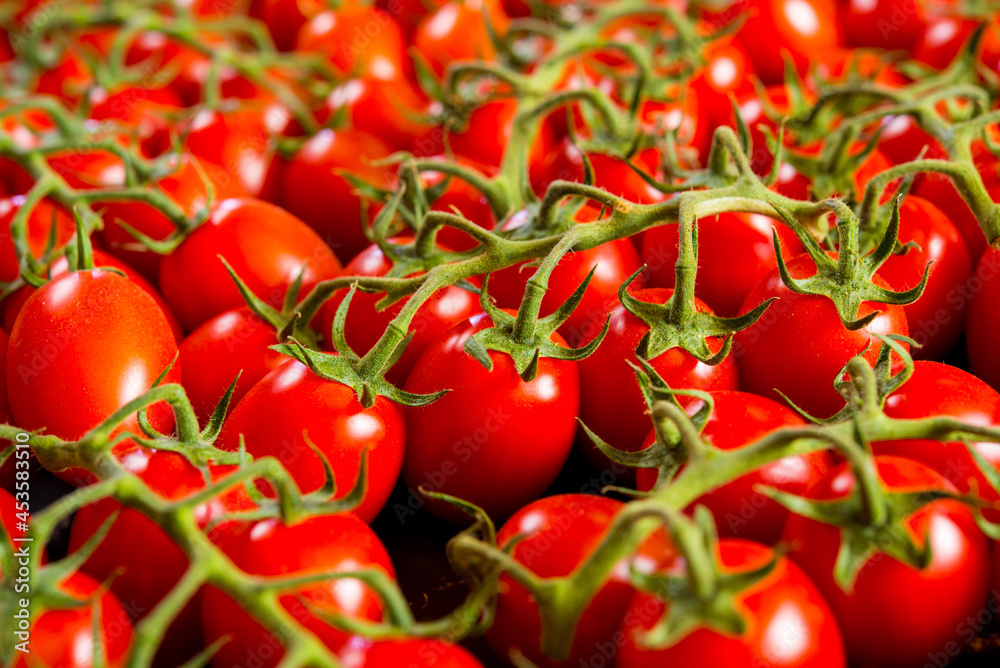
[937,318]
[292,401]
[39,225]
[75,357]
[468,442]
[942,39]
[799,345]
[358,40]
[487,130]
[457,31]
[271,549]
[365,325]
[740,511]
[735,250]
[285,18]
[557,534]
[615,262]
[314,189]
[222,347]
[983,293]
[388,110]
[65,637]
[726,71]
[565,162]
[139,560]
[939,389]
[412,653]
[144,109]
[882,24]
[788,622]
[610,401]
[897,615]
[266,246]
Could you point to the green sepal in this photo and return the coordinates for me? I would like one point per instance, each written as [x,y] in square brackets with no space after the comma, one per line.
[886,382]
[143,420]
[847,281]
[691,333]
[528,350]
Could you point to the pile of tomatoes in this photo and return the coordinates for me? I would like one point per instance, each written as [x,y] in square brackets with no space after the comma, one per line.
[668,326]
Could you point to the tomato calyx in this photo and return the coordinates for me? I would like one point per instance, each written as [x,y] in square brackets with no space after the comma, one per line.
[350,369]
[847,280]
[526,337]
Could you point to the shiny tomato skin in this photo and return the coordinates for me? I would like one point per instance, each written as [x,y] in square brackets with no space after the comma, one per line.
[468,442]
[291,400]
[939,190]
[357,40]
[46,214]
[615,262]
[139,560]
[266,246]
[788,622]
[940,389]
[64,637]
[611,404]
[388,110]
[365,325]
[559,533]
[942,39]
[564,161]
[936,320]
[984,318]
[284,18]
[897,616]
[740,510]
[411,653]
[75,357]
[271,549]
[799,345]
[802,28]
[232,342]
[882,24]
[735,252]
[457,31]
[314,189]
[485,134]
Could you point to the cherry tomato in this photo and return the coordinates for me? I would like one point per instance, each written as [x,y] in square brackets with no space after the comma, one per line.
[139,560]
[75,357]
[740,511]
[469,442]
[937,318]
[557,534]
[314,189]
[882,24]
[358,40]
[365,325]
[565,162]
[144,110]
[983,291]
[387,110]
[799,345]
[412,653]
[292,403]
[457,31]
[942,39]
[735,251]
[610,401]
[285,18]
[64,637]
[271,549]
[233,146]
[788,622]
[39,226]
[266,246]
[897,615]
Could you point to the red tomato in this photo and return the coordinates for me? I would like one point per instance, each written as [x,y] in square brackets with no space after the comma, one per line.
[15,303]
[68,79]
[387,110]
[138,559]
[469,442]
[483,138]
[565,162]
[74,357]
[144,109]
[266,246]
[222,347]
[412,653]
[799,345]
[788,622]
[457,31]
[558,533]
[735,251]
[358,40]
[39,226]
[615,262]
[233,146]
[940,191]
[271,549]
[65,637]
[313,186]
[800,28]
[942,39]
[740,510]
[726,71]
[897,615]
[883,24]
[365,325]
[939,389]
[983,293]
[937,318]
[611,404]
[292,401]
[285,18]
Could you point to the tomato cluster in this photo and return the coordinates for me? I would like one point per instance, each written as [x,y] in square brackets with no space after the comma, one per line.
[695,299]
